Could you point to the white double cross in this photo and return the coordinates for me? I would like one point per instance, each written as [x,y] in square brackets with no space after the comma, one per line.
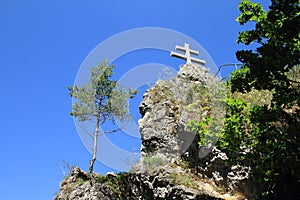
[187,56]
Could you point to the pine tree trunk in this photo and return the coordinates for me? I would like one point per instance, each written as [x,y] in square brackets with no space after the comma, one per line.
[95,147]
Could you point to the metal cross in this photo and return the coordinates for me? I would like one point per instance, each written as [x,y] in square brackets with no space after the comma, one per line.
[187,55]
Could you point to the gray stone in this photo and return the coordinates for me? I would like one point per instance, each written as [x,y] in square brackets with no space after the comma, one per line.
[164,115]
[165,141]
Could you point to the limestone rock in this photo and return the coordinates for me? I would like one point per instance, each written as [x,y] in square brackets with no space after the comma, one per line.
[157,185]
[166,109]
[165,113]
[95,192]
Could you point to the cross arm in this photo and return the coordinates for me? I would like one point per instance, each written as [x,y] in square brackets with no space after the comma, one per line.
[180,48]
[177,55]
[199,61]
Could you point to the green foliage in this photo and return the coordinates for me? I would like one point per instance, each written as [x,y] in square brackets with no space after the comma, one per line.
[101,97]
[161,92]
[197,94]
[254,97]
[206,102]
[101,179]
[152,162]
[276,34]
[261,137]
[118,183]
[269,130]
[185,179]
[236,127]
[294,76]
[265,136]
[202,128]
[101,100]
[250,12]
[184,164]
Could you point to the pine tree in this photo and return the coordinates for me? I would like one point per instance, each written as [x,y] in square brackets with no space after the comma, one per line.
[101,100]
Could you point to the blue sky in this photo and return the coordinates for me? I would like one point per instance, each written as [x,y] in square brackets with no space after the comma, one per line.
[43,44]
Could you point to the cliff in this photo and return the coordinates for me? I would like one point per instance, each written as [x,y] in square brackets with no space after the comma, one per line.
[171,166]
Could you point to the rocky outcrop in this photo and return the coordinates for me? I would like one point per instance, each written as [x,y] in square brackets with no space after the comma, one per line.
[171,166]
[162,183]
[233,177]
[166,110]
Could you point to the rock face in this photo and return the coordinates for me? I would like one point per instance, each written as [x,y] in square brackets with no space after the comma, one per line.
[167,108]
[160,185]
[76,186]
[234,178]
[170,166]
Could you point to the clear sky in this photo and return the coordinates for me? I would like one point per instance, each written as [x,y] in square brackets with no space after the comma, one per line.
[43,44]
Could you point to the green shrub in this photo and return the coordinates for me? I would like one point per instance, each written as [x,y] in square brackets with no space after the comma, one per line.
[153,161]
[183,179]
[101,179]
